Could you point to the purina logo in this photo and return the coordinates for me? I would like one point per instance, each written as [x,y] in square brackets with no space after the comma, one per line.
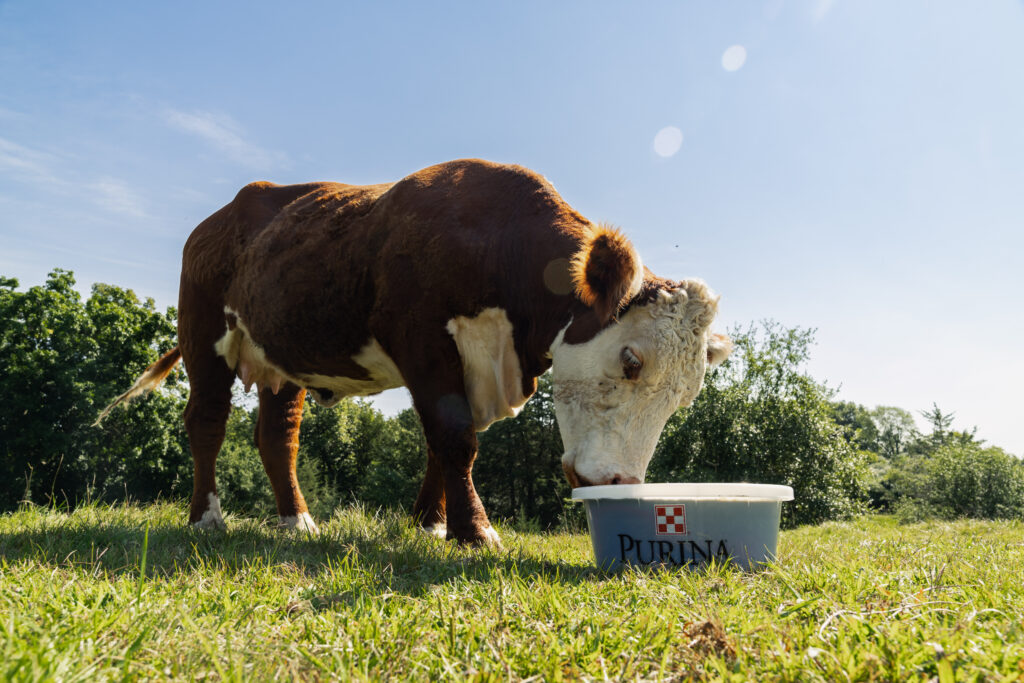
[670,520]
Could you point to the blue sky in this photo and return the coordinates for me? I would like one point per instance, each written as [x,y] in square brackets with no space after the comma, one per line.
[858,167]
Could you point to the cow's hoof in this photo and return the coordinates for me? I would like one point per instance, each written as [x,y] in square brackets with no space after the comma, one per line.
[493,539]
[205,524]
[438,530]
[213,518]
[300,522]
[477,536]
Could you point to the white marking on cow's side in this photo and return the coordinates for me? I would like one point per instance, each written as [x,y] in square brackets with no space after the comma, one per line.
[213,518]
[300,522]
[490,365]
[248,359]
[384,374]
[609,423]
[250,362]
[436,530]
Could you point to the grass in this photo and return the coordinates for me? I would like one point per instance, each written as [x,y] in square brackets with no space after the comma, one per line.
[127,592]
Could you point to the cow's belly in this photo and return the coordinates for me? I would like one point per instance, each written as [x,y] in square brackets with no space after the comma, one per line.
[251,364]
[381,369]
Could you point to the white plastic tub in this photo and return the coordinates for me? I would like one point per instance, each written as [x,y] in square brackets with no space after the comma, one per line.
[683,524]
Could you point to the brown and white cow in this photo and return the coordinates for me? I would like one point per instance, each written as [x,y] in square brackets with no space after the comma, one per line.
[463,282]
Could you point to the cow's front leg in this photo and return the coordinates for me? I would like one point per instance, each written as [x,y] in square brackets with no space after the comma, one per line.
[429,510]
[451,436]
[277,438]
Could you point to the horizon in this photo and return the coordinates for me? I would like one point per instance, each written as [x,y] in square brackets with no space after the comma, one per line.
[851,168]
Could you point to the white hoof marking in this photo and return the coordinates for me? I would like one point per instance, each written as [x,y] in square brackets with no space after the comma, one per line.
[302,522]
[212,518]
[436,530]
[492,536]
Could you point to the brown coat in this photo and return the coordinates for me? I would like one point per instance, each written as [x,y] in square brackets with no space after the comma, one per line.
[287,284]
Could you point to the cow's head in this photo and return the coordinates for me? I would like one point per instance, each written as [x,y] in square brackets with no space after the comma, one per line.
[614,393]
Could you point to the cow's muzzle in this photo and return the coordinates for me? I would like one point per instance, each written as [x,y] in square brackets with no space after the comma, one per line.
[576,481]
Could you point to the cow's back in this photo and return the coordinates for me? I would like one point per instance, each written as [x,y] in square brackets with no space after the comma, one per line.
[344,265]
[319,274]
[211,251]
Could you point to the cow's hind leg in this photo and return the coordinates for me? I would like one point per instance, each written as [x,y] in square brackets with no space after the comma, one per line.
[429,509]
[206,416]
[277,437]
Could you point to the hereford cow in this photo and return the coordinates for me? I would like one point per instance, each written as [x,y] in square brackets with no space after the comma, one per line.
[463,282]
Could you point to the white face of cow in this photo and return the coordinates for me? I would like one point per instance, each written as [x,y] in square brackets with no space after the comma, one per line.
[614,394]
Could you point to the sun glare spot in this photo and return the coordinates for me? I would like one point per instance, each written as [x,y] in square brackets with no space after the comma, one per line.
[734,58]
[668,141]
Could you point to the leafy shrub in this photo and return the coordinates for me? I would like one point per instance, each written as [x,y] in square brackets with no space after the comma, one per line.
[913,510]
[959,479]
[966,480]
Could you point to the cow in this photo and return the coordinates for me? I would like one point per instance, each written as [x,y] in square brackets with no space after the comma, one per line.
[463,282]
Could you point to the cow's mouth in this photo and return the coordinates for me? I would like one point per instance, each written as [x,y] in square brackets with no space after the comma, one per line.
[576,481]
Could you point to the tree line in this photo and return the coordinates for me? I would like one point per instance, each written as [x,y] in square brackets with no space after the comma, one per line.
[759,418]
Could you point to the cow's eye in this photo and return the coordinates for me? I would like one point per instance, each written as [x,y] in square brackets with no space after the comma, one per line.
[631,362]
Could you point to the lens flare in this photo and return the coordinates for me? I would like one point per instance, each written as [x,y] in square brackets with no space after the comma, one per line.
[734,58]
[668,141]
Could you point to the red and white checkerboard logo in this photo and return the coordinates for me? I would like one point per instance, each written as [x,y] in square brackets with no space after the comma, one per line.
[670,520]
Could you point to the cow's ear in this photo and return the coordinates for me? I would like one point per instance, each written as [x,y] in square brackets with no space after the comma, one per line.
[606,271]
[719,348]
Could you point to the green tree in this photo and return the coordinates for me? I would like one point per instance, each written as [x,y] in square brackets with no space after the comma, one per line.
[967,480]
[61,361]
[895,428]
[860,428]
[958,479]
[949,473]
[397,461]
[519,471]
[941,435]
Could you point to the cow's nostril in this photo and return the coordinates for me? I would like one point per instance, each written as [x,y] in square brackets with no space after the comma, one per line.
[616,479]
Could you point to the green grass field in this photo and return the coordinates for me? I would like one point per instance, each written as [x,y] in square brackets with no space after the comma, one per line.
[370,598]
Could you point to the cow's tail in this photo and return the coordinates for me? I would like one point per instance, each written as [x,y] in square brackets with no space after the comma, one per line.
[148,381]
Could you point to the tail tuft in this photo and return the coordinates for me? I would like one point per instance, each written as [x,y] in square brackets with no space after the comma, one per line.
[148,381]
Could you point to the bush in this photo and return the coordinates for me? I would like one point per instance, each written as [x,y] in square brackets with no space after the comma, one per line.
[912,511]
[957,480]
[966,480]
[348,452]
